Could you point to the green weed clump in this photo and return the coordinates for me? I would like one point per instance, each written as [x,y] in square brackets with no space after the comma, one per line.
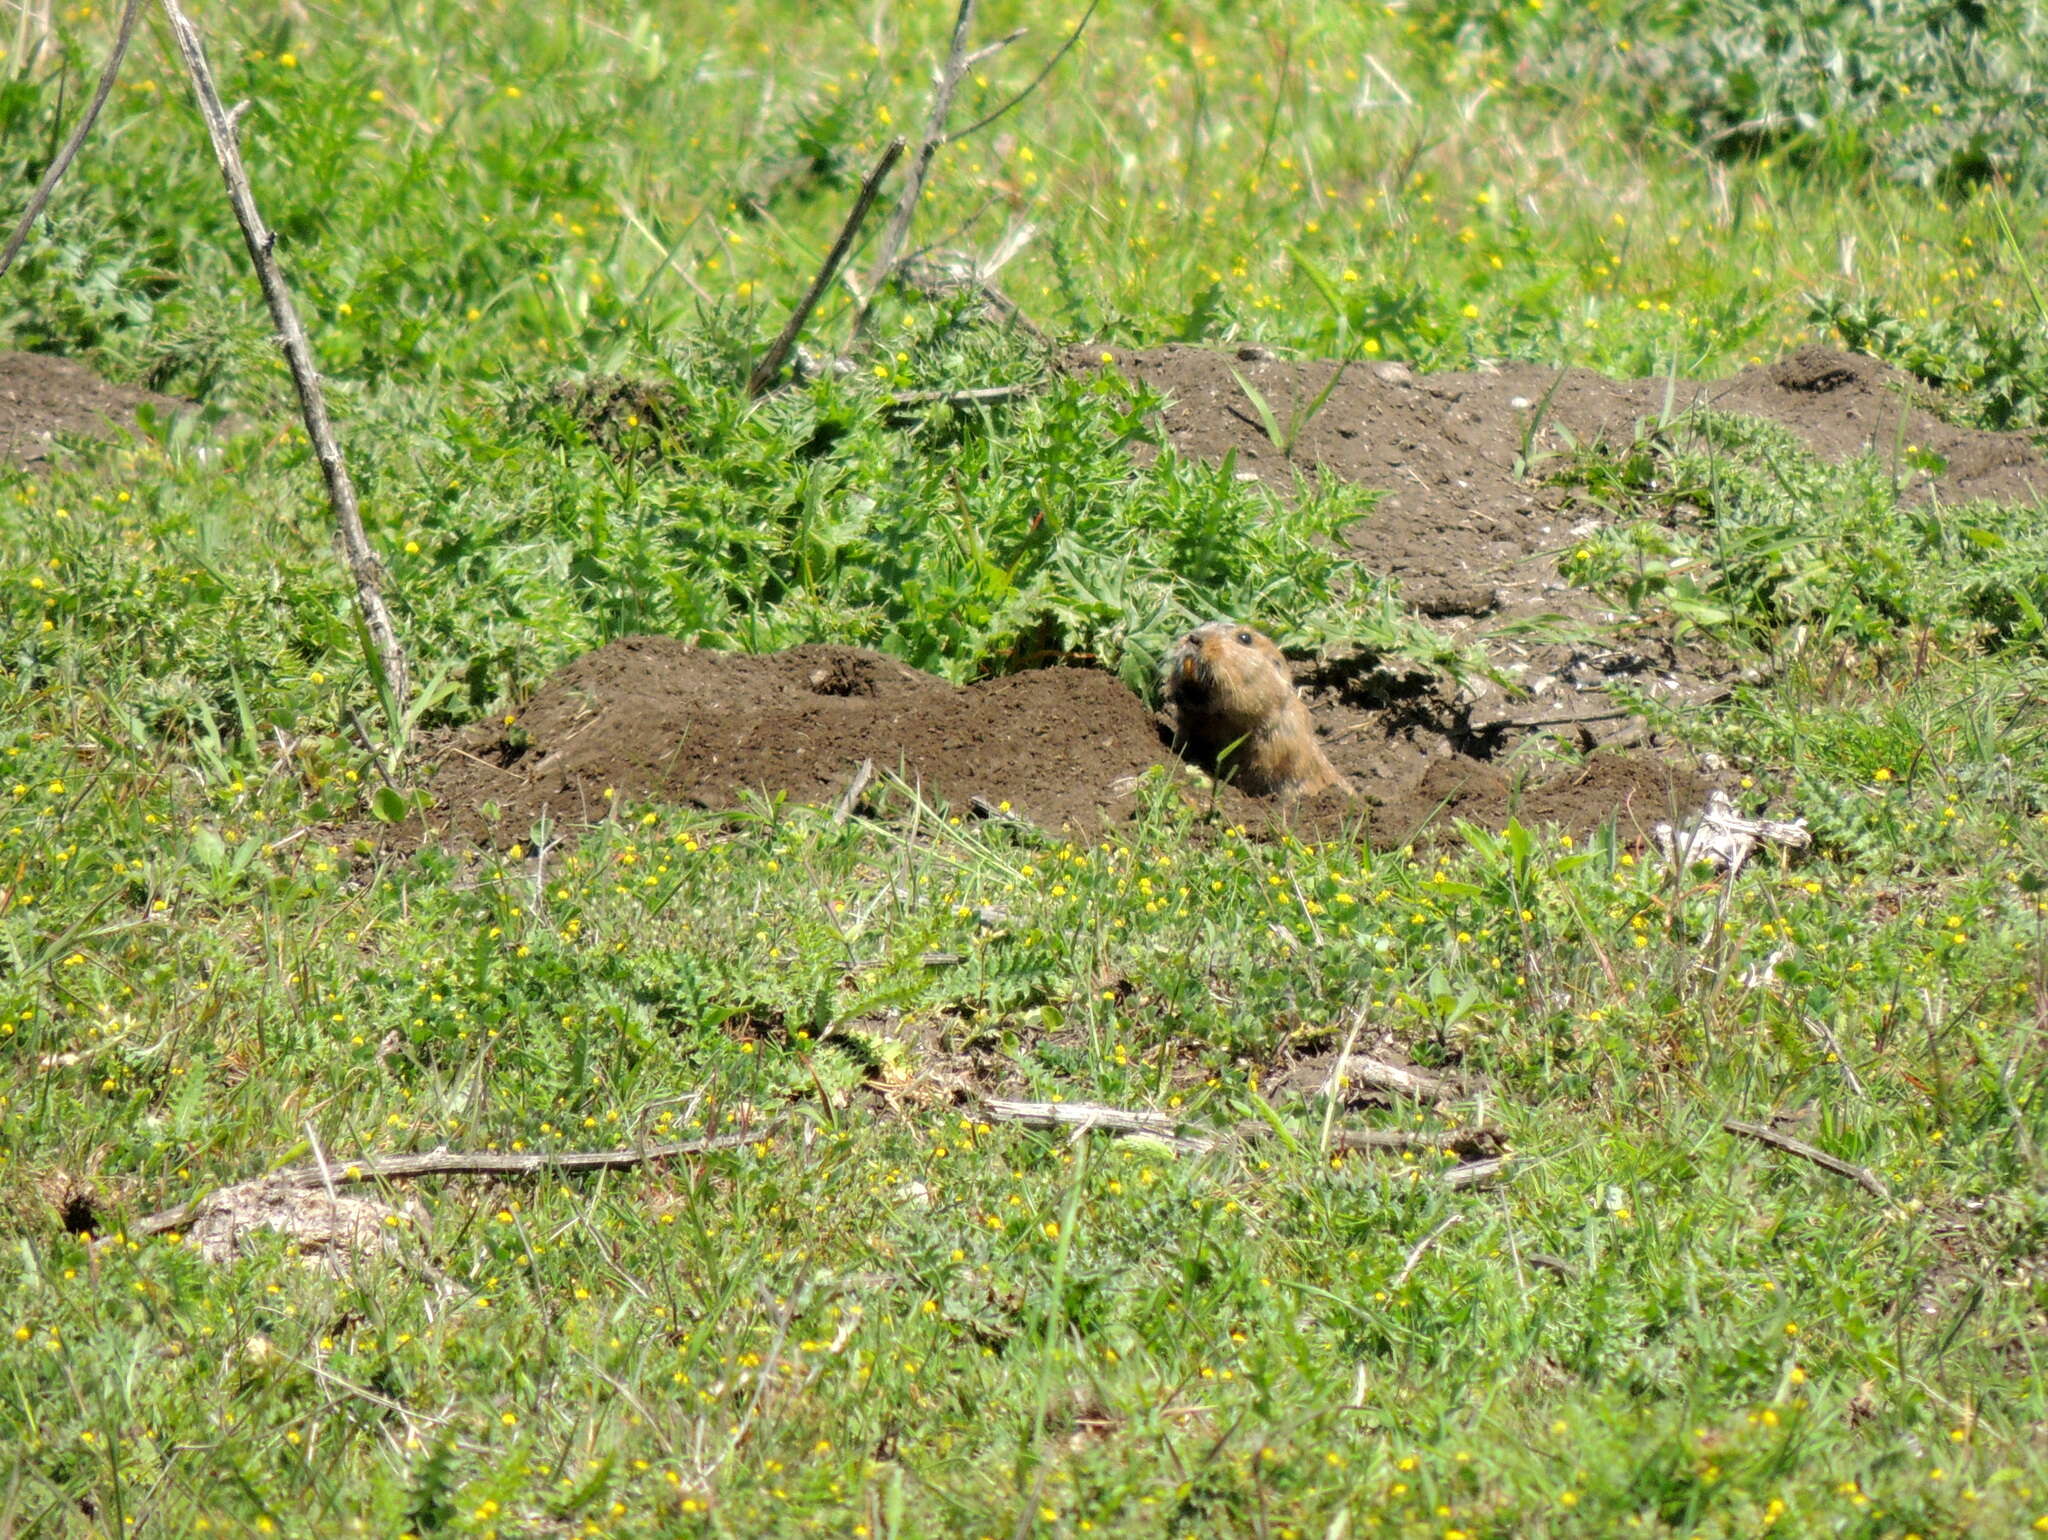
[1939,93]
[1763,540]
[1992,367]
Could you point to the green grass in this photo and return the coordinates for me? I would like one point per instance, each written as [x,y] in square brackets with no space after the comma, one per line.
[888,1317]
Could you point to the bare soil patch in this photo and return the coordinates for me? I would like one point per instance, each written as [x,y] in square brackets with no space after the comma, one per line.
[650,718]
[1456,522]
[43,398]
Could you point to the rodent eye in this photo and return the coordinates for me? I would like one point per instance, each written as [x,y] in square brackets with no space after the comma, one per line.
[1244,638]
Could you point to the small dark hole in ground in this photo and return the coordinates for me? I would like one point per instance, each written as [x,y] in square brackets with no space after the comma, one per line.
[80,1214]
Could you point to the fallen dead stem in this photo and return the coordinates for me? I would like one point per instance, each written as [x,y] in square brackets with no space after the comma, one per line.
[1379,1075]
[385,1168]
[1483,1148]
[770,367]
[1481,1143]
[1862,1176]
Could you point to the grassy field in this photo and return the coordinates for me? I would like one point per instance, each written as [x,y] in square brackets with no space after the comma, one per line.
[887,1316]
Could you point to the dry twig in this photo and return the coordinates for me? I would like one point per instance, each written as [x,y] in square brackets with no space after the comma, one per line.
[770,367]
[1478,1173]
[897,231]
[849,799]
[1481,1143]
[978,395]
[1037,80]
[1379,1075]
[384,1168]
[1416,1253]
[1090,1115]
[1862,1176]
[361,561]
[69,153]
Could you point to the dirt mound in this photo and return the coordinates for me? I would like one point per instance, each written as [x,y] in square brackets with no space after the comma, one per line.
[652,719]
[43,397]
[1475,546]
[1457,525]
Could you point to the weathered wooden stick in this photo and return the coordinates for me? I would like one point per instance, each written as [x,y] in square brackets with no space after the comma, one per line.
[1091,1115]
[356,554]
[1478,1173]
[849,799]
[770,367]
[69,153]
[1481,1143]
[385,1168]
[1862,1176]
[972,396]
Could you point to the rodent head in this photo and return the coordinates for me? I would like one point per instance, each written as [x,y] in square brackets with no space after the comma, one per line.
[1227,673]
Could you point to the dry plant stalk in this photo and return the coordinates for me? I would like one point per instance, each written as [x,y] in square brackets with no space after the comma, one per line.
[356,554]
[69,153]
[770,366]
[328,1173]
[1862,1176]
[897,231]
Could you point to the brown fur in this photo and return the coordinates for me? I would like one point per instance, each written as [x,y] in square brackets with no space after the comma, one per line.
[1237,712]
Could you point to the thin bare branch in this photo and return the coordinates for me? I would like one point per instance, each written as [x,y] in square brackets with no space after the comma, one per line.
[850,798]
[386,1168]
[976,396]
[897,231]
[770,367]
[69,153]
[1378,1075]
[1477,1173]
[1862,1176]
[988,51]
[1091,1115]
[1416,1253]
[1036,80]
[1469,1143]
[354,544]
